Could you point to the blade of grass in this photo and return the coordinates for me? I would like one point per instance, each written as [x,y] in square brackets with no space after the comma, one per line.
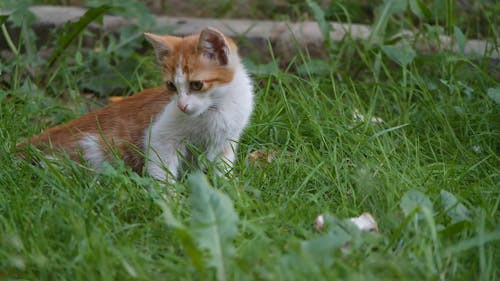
[378,134]
[6,35]
[478,241]
[75,28]
[380,22]
[324,25]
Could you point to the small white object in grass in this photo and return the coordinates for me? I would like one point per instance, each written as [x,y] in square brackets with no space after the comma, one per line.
[476,148]
[365,222]
[360,117]
[319,222]
[377,120]
[262,156]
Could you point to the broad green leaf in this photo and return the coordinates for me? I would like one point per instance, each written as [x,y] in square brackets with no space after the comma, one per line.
[259,69]
[455,228]
[324,25]
[214,223]
[19,13]
[138,10]
[314,66]
[72,29]
[182,233]
[401,54]
[475,242]
[494,94]
[415,8]
[321,249]
[454,209]
[424,9]
[437,9]
[413,199]
[105,79]
[382,15]
[460,37]
[398,6]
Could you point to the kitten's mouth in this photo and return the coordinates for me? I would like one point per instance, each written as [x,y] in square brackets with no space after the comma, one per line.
[213,108]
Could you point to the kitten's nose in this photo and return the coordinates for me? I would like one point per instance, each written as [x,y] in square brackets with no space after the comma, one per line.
[182,107]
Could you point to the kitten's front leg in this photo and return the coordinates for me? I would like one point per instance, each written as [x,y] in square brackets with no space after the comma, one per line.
[161,162]
[225,159]
[228,154]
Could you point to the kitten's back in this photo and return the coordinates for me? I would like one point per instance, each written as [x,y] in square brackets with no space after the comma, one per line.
[121,125]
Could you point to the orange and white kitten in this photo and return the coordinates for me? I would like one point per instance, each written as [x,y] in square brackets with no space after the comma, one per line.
[206,102]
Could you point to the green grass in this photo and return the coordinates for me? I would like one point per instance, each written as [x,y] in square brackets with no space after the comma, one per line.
[437,150]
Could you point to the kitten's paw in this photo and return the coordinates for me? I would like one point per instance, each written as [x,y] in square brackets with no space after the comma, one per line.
[169,194]
[166,191]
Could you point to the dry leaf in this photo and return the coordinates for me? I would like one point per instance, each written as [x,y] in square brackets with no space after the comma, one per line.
[365,222]
[114,99]
[261,156]
[89,95]
[319,222]
[358,116]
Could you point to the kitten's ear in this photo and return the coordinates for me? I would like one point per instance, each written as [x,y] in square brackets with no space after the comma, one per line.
[163,45]
[214,46]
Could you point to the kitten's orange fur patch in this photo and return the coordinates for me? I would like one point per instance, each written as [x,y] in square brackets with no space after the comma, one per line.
[121,124]
[192,66]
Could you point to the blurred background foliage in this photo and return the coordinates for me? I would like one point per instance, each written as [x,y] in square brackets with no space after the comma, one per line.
[110,63]
[473,16]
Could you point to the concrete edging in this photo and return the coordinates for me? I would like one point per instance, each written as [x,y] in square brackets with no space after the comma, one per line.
[283,36]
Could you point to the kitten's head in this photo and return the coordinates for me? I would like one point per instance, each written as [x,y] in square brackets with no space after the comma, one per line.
[194,67]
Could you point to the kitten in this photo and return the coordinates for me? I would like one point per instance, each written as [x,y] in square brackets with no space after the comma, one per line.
[206,102]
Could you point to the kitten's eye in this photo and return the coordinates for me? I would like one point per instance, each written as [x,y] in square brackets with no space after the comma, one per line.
[171,86]
[196,85]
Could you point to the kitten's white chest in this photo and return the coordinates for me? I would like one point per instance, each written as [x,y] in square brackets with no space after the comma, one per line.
[215,132]
[209,128]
